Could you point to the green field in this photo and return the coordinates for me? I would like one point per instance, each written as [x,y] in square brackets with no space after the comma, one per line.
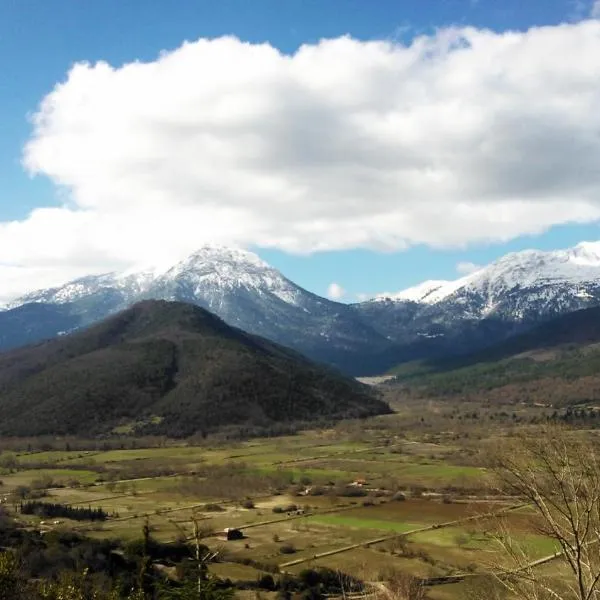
[374,525]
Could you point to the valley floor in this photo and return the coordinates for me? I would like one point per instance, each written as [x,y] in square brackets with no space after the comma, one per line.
[403,493]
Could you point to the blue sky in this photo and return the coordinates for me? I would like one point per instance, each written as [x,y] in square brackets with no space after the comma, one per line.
[40,41]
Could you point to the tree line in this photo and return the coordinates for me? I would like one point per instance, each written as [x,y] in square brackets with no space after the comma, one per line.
[76,513]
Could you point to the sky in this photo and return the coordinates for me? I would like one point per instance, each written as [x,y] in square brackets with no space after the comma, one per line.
[360,146]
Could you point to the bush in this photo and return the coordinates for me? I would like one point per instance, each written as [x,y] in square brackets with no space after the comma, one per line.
[351,492]
[279,509]
[418,491]
[266,582]
[287,549]
[216,507]
[248,503]
[399,497]
[22,492]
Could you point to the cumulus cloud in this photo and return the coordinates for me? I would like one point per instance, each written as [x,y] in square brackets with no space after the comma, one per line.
[335,291]
[466,268]
[461,137]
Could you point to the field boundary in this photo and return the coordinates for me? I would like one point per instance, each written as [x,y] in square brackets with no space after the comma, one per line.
[388,538]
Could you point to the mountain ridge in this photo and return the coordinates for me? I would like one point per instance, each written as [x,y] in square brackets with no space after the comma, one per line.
[430,320]
[556,364]
[239,287]
[174,369]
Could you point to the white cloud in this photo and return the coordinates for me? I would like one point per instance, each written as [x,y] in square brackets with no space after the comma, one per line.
[595,10]
[335,291]
[462,137]
[466,268]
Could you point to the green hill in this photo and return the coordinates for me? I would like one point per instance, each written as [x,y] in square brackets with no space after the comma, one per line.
[556,363]
[168,368]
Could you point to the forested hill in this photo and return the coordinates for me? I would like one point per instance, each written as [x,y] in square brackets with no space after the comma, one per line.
[556,363]
[167,368]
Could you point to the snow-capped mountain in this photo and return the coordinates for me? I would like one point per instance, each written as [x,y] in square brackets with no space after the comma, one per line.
[570,272]
[432,319]
[512,293]
[236,285]
[553,282]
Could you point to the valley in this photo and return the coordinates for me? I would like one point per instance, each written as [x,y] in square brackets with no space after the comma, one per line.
[164,436]
[409,494]
[300,300]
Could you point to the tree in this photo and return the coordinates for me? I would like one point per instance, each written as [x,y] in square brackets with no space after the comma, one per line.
[558,472]
[11,584]
[400,586]
[196,583]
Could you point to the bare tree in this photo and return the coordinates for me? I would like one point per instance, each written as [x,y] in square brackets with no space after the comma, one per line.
[558,472]
[398,585]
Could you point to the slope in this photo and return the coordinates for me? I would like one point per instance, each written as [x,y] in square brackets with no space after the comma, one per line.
[172,369]
[555,363]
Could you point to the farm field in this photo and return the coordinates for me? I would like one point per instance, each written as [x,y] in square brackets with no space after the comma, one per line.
[369,499]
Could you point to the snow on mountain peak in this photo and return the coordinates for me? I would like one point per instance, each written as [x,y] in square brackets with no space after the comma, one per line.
[417,293]
[210,267]
[226,254]
[225,267]
[523,270]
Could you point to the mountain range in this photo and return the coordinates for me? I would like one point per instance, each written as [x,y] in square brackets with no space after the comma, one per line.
[433,319]
[173,369]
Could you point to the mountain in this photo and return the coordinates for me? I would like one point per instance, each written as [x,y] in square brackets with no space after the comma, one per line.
[433,319]
[234,284]
[556,363]
[508,296]
[519,286]
[32,322]
[167,368]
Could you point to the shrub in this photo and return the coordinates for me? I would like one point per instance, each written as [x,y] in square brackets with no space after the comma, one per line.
[279,509]
[248,503]
[417,491]
[266,582]
[351,491]
[287,549]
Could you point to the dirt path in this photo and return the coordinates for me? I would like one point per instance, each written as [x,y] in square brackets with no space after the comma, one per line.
[294,461]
